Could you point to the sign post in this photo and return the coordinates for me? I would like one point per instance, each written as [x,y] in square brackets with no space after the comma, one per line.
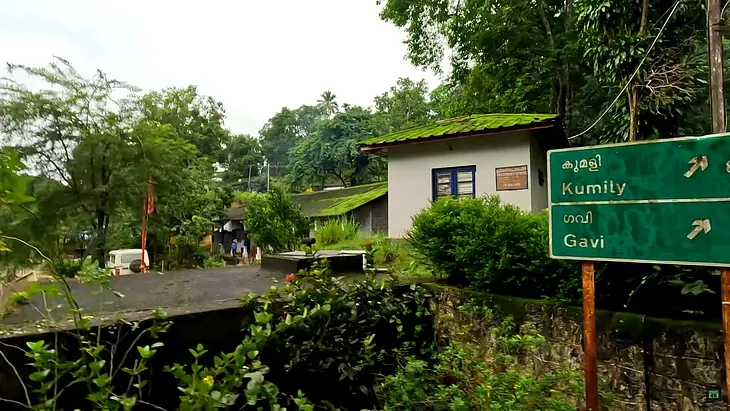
[661,201]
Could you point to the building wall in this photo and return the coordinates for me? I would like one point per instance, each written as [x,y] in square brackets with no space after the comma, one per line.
[364,216]
[410,166]
[380,215]
[538,165]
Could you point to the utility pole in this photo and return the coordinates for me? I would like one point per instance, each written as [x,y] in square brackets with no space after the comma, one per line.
[714,37]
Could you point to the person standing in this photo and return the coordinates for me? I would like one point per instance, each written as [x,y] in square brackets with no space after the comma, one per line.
[234,246]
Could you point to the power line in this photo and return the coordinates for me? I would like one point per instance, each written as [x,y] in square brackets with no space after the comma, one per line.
[676,4]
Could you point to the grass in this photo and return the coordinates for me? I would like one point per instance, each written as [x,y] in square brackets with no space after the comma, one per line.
[395,255]
[336,230]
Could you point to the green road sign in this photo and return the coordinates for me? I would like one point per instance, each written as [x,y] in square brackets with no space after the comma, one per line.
[665,201]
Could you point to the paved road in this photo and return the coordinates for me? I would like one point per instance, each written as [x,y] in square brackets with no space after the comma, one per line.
[178,291]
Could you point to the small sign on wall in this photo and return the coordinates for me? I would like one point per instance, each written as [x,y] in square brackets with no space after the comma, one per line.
[511,178]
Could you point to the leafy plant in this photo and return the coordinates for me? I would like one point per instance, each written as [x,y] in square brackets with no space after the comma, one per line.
[489,246]
[454,380]
[275,222]
[336,230]
[214,260]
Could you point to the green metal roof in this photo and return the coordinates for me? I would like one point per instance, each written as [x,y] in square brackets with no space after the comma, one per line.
[330,203]
[464,124]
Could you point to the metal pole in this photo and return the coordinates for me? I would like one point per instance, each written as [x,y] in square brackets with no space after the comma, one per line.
[590,360]
[717,95]
[717,101]
[725,292]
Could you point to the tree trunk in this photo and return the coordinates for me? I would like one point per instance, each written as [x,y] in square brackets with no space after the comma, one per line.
[633,97]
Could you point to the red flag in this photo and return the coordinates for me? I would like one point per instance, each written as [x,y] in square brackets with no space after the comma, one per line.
[150,198]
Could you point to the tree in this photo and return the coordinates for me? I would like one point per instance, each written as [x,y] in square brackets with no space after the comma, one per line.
[285,130]
[404,106]
[566,57]
[508,55]
[615,42]
[333,151]
[328,101]
[242,160]
[78,131]
[194,118]
[12,187]
[275,222]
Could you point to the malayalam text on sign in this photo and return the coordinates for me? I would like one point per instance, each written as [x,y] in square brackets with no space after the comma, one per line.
[664,201]
[511,178]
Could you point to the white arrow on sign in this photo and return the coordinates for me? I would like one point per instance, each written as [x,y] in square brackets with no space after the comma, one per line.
[700,225]
[697,163]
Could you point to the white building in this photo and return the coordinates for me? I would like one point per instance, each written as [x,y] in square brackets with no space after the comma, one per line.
[469,156]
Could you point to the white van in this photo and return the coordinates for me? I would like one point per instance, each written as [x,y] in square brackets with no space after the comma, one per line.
[128,261]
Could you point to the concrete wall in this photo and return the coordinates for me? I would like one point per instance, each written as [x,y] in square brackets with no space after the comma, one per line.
[648,363]
[410,172]
[380,215]
[538,168]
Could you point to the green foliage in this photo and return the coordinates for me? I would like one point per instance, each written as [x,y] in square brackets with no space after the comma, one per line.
[328,103]
[335,230]
[333,151]
[275,222]
[327,333]
[214,261]
[285,130]
[568,58]
[89,134]
[489,246]
[12,186]
[242,160]
[404,106]
[192,118]
[454,380]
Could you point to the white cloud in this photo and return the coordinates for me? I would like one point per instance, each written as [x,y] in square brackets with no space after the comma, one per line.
[254,56]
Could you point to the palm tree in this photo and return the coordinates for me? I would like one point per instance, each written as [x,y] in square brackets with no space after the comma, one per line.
[327,102]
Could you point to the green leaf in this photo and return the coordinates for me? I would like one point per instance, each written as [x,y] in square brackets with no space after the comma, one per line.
[39,375]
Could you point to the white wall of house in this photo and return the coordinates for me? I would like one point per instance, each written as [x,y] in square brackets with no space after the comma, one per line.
[410,185]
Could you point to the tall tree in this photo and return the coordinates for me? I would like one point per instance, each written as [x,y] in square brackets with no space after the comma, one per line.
[285,130]
[328,101]
[242,160]
[405,105]
[77,130]
[12,188]
[193,118]
[617,39]
[333,152]
[508,55]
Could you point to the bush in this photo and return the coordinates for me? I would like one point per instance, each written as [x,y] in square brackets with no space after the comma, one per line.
[490,246]
[214,260]
[453,380]
[275,222]
[336,230]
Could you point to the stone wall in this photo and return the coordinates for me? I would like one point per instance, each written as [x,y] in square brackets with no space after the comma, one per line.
[648,363]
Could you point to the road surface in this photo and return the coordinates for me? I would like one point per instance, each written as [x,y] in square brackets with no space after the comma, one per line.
[178,292]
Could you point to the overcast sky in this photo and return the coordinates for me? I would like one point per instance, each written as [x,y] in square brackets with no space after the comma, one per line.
[256,56]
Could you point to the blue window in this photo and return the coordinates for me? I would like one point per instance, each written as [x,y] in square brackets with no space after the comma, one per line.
[457,182]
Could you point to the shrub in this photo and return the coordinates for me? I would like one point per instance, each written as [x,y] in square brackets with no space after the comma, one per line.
[490,246]
[276,223]
[214,260]
[336,230]
[453,380]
